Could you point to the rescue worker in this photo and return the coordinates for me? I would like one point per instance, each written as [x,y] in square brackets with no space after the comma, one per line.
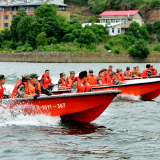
[113,79]
[127,73]
[147,72]
[106,76]
[35,88]
[91,78]
[153,70]
[81,84]
[46,81]
[62,83]
[100,78]
[109,70]
[2,81]
[138,74]
[133,72]
[21,89]
[70,78]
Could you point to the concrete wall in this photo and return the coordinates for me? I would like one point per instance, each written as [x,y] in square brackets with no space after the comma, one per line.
[56,57]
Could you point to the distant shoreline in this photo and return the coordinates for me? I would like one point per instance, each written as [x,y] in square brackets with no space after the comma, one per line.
[61,57]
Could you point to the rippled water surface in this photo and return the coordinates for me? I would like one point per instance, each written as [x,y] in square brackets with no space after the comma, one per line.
[128,129]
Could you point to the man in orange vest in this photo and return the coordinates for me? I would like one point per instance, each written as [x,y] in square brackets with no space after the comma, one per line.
[2,81]
[147,72]
[46,81]
[21,89]
[153,70]
[70,78]
[100,78]
[81,85]
[91,77]
[109,70]
[113,80]
[127,74]
[35,88]
[62,83]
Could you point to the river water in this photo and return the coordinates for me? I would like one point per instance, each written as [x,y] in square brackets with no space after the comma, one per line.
[128,129]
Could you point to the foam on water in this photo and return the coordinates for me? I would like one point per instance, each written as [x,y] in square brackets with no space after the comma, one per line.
[9,117]
[127,97]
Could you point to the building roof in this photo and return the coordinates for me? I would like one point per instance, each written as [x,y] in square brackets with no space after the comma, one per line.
[119,13]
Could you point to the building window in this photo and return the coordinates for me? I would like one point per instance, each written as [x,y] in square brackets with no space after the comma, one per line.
[5,25]
[112,20]
[5,17]
[119,30]
[112,30]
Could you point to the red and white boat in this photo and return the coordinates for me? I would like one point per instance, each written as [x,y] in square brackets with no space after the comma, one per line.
[84,107]
[148,88]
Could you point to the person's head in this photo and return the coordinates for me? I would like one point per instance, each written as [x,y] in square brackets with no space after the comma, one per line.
[34,78]
[47,72]
[101,72]
[91,72]
[25,78]
[118,70]
[72,74]
[134,68]
[151,66]
[2,79]
[110,66]
[83,76]
[113,74]
[148,66]
[128,68]
[104,69]
[63,75]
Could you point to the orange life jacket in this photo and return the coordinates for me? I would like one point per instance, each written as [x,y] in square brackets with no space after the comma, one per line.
[92,79]
[109,71]
[1,91]
[69,80]
[32,88]
[144,73]
[64,83]
[128,73]
[120,77]
[47,80]
[111,81]
[154,72]
[14,93]
[103,79]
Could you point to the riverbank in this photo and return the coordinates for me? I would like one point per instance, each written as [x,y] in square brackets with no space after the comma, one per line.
[62,57]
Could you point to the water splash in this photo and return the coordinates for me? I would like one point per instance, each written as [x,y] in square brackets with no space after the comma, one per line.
[126,97]
[14,117]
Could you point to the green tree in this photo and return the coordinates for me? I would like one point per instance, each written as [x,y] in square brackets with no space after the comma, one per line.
[41,39]
[139,49]
[157,26]
[6,33]
[150,28]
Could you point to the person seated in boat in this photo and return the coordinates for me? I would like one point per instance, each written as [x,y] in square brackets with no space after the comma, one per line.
[153,70]
[81,85]
[147,72]
[113,79]
[133,72]
[2,89]
[119,74]
[70,78]
[21,89]
[106,75]
[46,81]
[100,78]
[62,83]
[126,73]
[91,77]
[138,74]
[35,88]
[109,70]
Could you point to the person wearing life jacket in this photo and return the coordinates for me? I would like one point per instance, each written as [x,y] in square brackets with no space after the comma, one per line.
[35,88]
[147,72]
[70,78]
[106,76]
[138,74]
[113,79]
[100,78]
[109,70]
[127,74]
[62,83]
[153,70]
[81,84]
[2,81]
[91,78]
[133,72]
[46,81]
[21,89]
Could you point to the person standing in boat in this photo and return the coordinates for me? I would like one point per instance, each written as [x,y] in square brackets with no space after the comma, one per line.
[91,77]
[46,81]
[81,84]
[153,70]
[147,72]
[62,83]
[70,78]
[21,89]
[35,88]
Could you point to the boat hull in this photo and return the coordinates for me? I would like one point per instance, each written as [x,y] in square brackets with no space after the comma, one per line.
[83,107]
[146,88]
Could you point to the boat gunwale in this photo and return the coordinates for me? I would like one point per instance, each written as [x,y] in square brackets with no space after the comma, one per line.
[115,92]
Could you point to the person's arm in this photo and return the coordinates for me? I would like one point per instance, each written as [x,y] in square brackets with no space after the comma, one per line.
[42,81]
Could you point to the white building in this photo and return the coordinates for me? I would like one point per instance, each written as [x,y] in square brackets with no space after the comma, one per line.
[113,28]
